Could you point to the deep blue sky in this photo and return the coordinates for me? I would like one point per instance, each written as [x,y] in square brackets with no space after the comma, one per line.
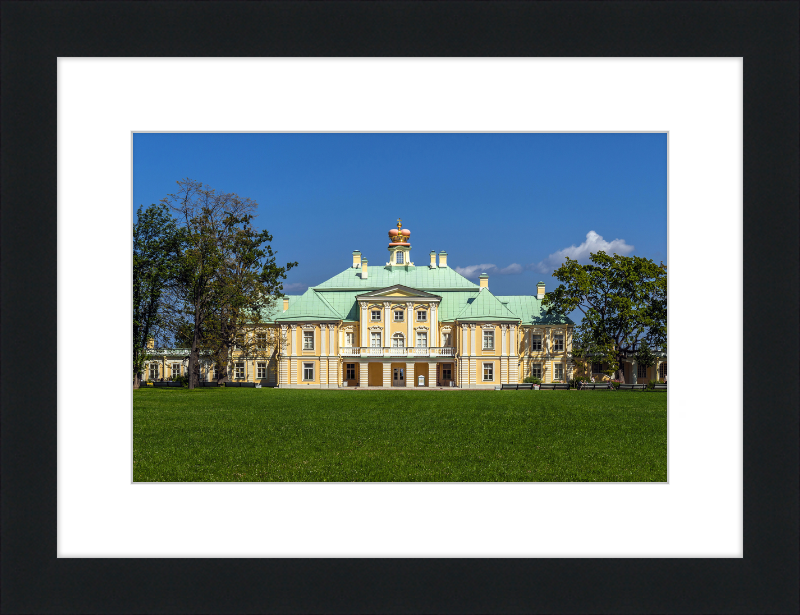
[509,200]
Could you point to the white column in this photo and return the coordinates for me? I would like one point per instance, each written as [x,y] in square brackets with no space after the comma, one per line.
[434,341]
[472,339]
[503,329]
[363,324]
[410,375]
[431,374]
[387,374]
[293,341]
[410,320]
[363,374]
[322,332]
[332,339]
[387,335]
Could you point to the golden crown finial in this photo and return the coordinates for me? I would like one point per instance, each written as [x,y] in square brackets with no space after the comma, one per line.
[399,223]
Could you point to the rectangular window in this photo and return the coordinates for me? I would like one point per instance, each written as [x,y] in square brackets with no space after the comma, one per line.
[422,316]
[398,315]
[308,340]
[153,371]
[239,373]
[488,339]
[662,370]
[399,259]
[351,371]
[261,370]
[308,371]
[597,368]
[176,370]
[375,339]
[422,339]
[536,342]
[376,315]
[348,340]
[447,371]
[641,371]
[447,339]
[558,343]
[488,371]
[559,371]
[261,341]
[536,370]
[215,372]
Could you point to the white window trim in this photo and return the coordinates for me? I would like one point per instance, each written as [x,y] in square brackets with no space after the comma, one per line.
[402,316]
[534,341]
[483,337]
[238,375]
[372,315]
[312,336]
[380,340]
[305,367]
[491,368]
[416,339]
[541,370]
[424,313]
[261,369]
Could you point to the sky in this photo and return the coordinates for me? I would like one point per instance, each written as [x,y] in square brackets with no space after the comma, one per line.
[512,205]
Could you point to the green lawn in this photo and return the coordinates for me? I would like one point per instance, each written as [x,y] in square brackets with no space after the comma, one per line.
[438,436]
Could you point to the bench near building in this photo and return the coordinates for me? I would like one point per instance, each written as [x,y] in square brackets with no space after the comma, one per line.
[400,324]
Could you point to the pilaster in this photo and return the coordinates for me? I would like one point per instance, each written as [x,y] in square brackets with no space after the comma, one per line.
[410,375]
[432,375]
[387,374]
[362,326]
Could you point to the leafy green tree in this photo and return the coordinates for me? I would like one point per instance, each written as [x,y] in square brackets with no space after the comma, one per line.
[228,273]
[644,356]
[623,300]
[156,246]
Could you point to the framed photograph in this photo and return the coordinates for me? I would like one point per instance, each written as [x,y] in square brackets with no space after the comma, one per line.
[80,79]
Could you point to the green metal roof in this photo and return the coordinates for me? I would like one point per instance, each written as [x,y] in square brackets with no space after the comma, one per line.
[276,309]
[309,306]
[422,278]
[485,307]
[529,310]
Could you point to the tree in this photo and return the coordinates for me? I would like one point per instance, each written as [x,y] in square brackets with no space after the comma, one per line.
[644,356]
[156,245]
[623,300]
[227,272]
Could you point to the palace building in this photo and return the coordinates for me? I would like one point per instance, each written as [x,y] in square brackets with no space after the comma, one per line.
[401,324]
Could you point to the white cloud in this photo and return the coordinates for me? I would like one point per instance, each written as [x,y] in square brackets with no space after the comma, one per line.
[512,268]
[593,243]
[295,288]
[473,271]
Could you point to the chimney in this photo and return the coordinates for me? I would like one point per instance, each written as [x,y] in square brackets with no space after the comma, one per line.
[364,271]
[433,259]
[540,290]
[442,259]
[485,281]
[285,303]
[356,259]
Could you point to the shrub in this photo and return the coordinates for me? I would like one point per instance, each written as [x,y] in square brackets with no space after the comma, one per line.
[533,379]
[652,383]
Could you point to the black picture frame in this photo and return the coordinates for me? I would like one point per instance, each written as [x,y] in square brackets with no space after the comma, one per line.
[34,34]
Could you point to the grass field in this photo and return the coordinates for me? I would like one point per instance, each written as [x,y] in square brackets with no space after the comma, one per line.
[436,436]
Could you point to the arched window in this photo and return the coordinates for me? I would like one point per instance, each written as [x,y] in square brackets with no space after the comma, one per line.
[398,341]
[399,259]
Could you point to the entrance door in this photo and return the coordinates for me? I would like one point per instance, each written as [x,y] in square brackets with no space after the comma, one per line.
[398,377]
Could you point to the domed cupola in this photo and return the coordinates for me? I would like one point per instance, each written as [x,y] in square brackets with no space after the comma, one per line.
[400,248]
